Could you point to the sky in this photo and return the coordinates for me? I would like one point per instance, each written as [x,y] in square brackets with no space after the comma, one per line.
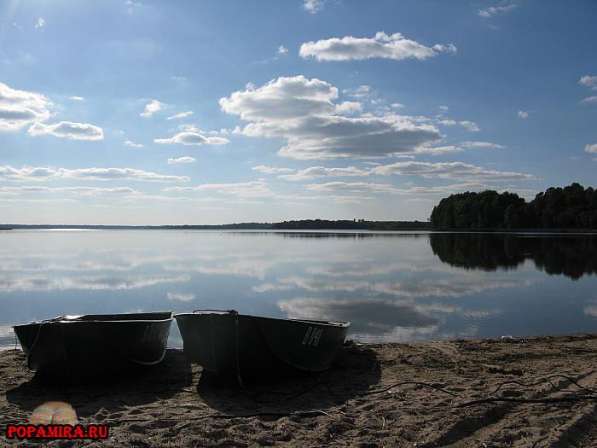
[207,112]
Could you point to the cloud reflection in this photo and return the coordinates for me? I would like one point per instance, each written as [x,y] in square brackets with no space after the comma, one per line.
[39,283]
[370,318]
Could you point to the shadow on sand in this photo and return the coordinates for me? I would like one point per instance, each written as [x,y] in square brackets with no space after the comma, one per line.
[354,372]
[131,388]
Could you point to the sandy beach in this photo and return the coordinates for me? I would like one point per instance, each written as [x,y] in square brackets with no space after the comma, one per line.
[536,392]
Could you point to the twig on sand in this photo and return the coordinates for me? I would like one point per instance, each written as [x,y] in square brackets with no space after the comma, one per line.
[565,399]
[545,380]
[405,383]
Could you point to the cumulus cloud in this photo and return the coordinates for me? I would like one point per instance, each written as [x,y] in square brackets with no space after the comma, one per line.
[151,108]
[68,130]
[76,98]
[19,108]
[40,23]
[282,50]
[382,45]
[180,115]
[181,160]
[132,144]
[523,114]
[192,138]
[591,149]
[313,6]
[252,189]
[28,173]
[303,111]
[265,169]
[320,171]
[348,108]
[491,11]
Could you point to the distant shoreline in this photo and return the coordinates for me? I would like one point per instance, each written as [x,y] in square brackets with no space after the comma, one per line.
[296,226]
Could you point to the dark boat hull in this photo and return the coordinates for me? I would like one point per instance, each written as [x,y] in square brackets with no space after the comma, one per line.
[232,344]
[95,343]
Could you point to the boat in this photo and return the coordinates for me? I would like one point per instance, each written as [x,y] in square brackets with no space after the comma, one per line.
[95,343]
[229,344]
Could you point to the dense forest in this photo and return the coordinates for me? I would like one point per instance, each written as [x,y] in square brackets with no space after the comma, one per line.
[572,207]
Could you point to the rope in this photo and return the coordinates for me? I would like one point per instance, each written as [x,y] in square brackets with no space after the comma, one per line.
[238,375]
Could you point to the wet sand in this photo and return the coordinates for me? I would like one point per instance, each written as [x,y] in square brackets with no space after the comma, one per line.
[536,392]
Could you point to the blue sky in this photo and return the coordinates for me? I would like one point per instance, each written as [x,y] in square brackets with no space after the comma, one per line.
[147,112]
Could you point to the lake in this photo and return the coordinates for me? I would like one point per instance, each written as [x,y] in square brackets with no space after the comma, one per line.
[391,286]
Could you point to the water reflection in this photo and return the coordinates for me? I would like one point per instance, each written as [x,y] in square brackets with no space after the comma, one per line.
[572,255]
[371,319]
[392,287]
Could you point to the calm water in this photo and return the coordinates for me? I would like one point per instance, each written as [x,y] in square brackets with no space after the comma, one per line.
[396,287]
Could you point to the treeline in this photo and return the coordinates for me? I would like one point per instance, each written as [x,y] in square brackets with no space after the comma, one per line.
[345,224]
[304,224]
[572,207]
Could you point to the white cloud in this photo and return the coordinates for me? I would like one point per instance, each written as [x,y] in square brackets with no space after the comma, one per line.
[132,144]
[76,98]
[271,169]
[320,171]
[523,114]
[282,50]
[470,126]
[75,191]
[379,188]
[68,130]
[589,81]
[481,145]
[382,45]
[348,108]
[590,100]
[443,108]
[353,187]
[495,10]
[180,115]
[448,170]
[591,149]
[28,173]
[252,189]
[361,91]
[151,108]
[40,23]
[313,6]
[439,150]
[192,138]
[19,108]
[303,112]
[181,160]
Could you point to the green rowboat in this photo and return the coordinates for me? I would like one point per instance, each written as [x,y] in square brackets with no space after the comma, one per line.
[95,343]
[230,344]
